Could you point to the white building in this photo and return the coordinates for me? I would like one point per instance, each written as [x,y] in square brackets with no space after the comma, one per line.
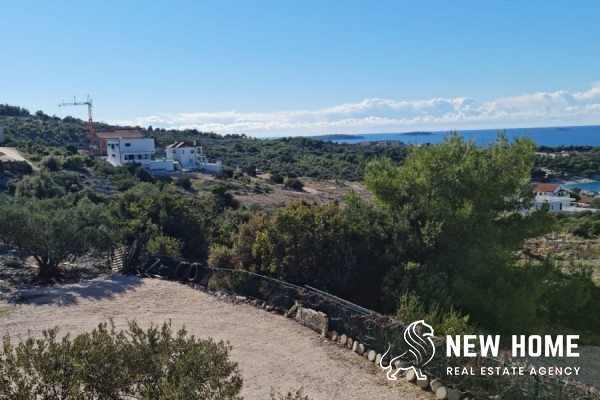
[549,189]
[191,156]
[135,150]
[554,195]
[555,203]
[186,153]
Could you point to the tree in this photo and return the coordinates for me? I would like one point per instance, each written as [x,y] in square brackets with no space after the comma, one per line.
[176,216]
[319,245]
[462,206]
[53,230]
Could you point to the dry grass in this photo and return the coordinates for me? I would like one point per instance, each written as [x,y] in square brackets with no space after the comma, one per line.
[568,250]
[315,191]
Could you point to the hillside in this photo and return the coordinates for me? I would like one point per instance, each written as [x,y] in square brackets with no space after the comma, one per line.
[37,133]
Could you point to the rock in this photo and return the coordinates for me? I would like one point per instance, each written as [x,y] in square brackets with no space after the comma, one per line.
[423,383]
[371,355]
[378,358]
[441,393]
[361,349]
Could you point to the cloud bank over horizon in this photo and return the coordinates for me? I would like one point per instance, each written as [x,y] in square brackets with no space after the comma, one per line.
[385,115]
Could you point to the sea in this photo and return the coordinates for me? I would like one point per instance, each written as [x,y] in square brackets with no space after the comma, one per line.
[591,186]
[551,136]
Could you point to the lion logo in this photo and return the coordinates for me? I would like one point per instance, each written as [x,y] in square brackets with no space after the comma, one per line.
[420,350]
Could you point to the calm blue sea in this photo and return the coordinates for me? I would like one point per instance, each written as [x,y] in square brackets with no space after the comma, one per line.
[555,136]
[595,186]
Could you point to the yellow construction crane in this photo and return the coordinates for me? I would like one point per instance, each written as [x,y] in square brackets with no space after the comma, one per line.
[87,103]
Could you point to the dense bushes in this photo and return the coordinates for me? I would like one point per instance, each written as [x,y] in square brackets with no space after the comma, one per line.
[106,364]
[583,224]
[326,246]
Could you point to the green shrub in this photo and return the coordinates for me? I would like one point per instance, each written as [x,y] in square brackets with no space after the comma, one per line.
[445,321]
[51,163]
[106,364]
[276,178]
[18,167]
[184,183]
[75,162]
[164,245]
[293,183]
[221,257]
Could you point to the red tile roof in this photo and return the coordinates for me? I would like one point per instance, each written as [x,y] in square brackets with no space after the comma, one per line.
[119,133]
[178,145]
[546,187]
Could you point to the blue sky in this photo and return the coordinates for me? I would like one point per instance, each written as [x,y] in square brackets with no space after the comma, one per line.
[271,68]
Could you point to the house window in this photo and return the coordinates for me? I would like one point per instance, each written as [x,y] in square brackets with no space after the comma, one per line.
[113,155]
[191,151]
[127,144]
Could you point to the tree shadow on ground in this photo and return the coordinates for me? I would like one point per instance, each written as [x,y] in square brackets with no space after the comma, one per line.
[71,294]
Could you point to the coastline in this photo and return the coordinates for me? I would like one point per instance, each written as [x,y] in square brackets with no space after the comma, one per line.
[584,184]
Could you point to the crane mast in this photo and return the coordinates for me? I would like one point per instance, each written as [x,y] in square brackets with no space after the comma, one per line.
[87,103]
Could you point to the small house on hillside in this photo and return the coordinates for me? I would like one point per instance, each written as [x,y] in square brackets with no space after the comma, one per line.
[123,151]
[549,189]
[554,195]
[101,138]
[190,155]
[186,153]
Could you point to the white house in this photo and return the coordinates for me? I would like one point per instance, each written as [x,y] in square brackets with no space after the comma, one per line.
[554,195]
[549,189]
[184,152]
[191,156]
[134,150]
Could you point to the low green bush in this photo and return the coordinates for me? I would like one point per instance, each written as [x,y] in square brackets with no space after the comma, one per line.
[106,364]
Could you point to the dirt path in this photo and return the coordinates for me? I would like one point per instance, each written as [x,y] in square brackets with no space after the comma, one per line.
[11,154]
[272,351]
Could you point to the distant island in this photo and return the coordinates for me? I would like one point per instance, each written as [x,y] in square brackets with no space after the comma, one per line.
[416,133]
[337,137]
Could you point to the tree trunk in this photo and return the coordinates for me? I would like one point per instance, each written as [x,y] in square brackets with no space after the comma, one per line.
[48,269]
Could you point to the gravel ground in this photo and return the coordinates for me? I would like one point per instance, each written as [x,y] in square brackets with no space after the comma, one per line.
[272,351]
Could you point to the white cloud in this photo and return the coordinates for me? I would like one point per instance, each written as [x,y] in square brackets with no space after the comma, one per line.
[385,115]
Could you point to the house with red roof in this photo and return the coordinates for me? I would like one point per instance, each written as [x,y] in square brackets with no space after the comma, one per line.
[553,195]
[101,138]
[549,189]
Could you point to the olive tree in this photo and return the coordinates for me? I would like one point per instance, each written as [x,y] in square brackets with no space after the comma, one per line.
[53,230]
